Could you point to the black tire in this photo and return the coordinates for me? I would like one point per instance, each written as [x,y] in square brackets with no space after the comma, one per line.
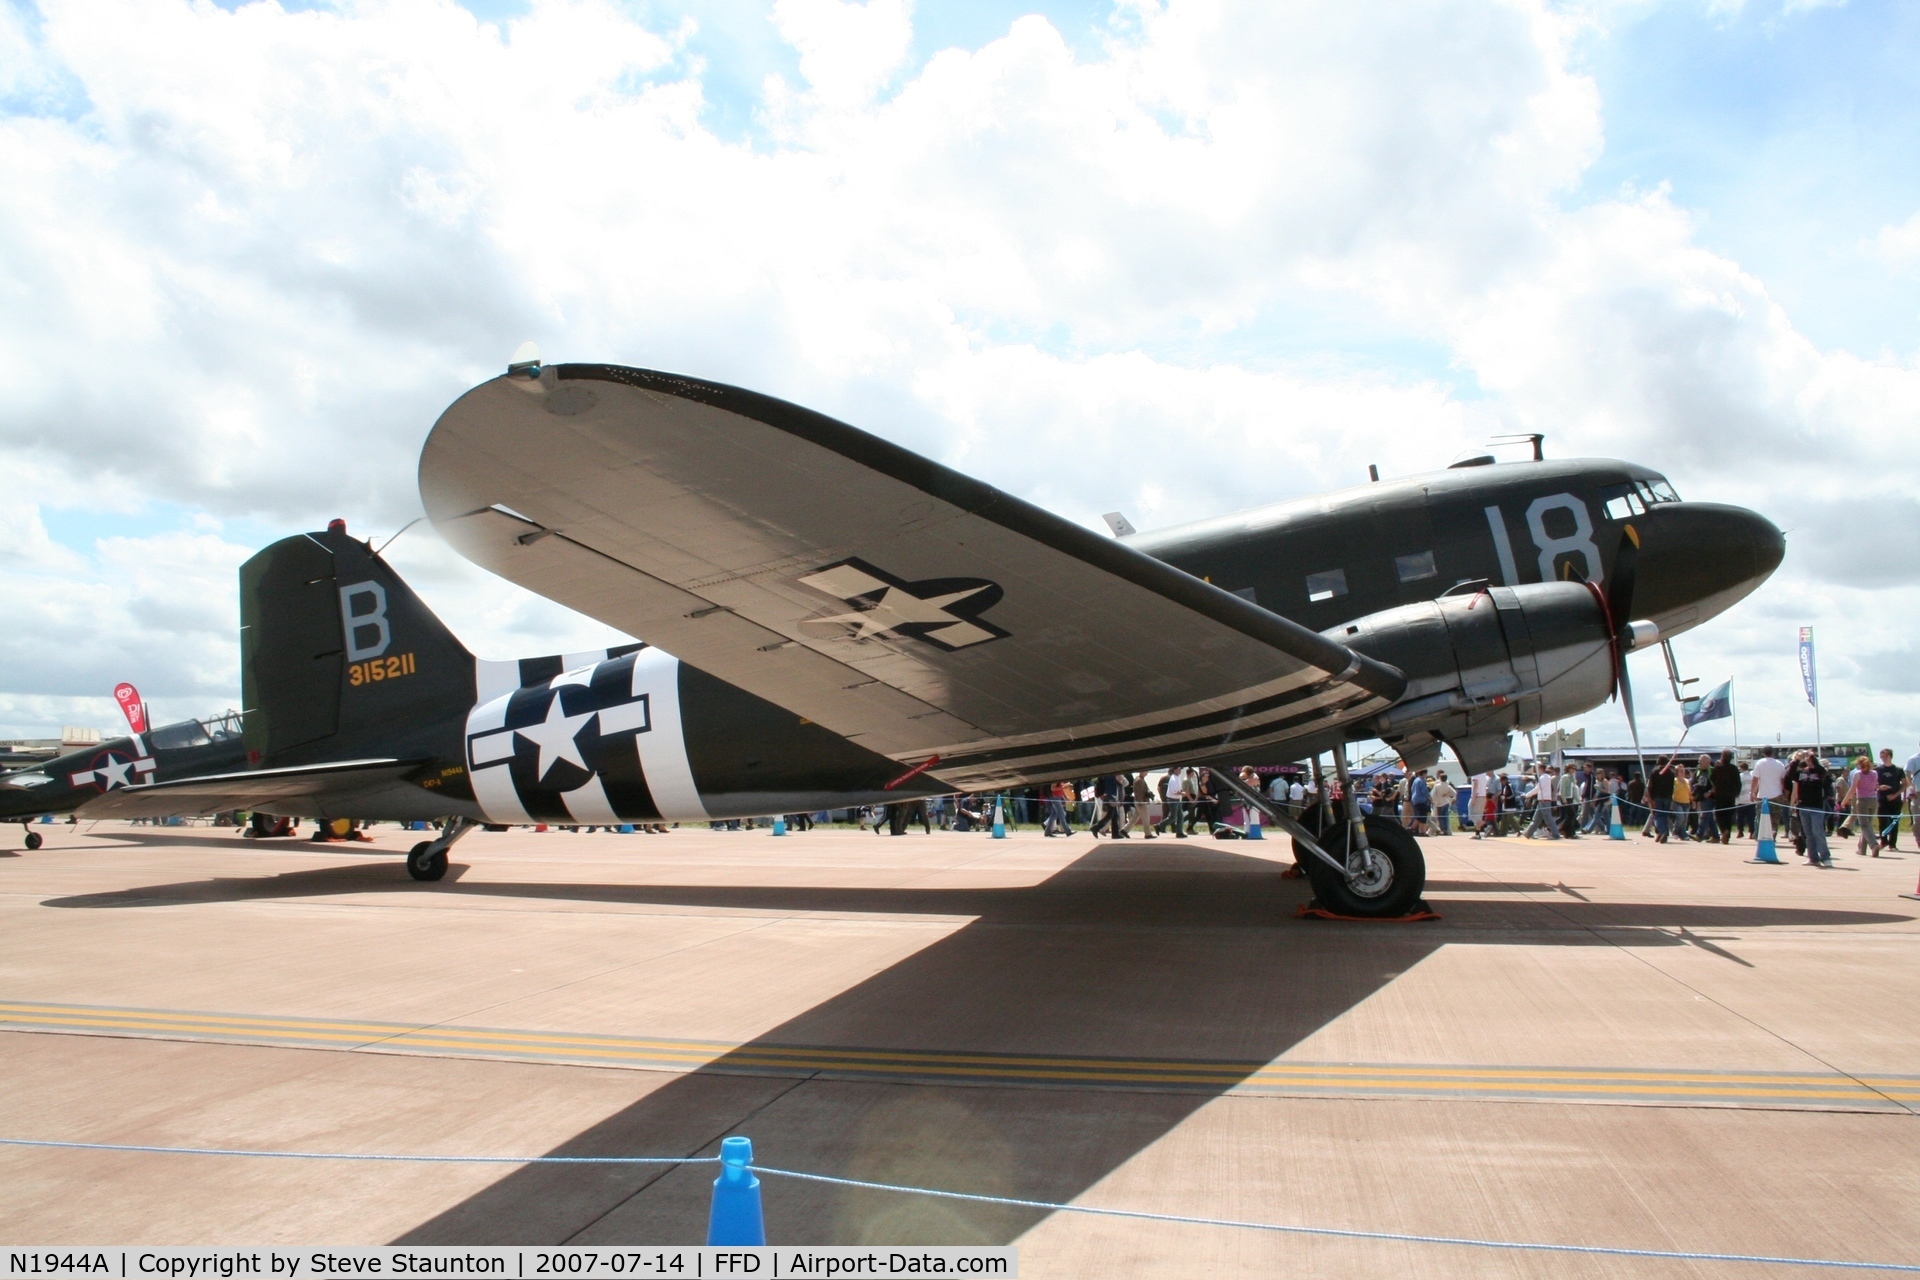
[422,867]
[35,840]
[1395,888]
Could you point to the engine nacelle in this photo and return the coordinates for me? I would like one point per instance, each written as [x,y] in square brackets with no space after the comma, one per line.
[1480,666]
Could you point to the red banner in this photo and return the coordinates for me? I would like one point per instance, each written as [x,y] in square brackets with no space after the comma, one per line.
[135,710]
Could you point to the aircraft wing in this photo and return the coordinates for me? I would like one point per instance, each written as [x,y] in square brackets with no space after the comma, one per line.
[903,605]
[346,789]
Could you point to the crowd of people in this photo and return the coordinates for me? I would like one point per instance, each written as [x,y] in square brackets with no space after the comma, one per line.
[1711,798]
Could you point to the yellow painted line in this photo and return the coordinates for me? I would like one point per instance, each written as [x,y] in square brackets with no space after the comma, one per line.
[449,1036]
[1381,1078]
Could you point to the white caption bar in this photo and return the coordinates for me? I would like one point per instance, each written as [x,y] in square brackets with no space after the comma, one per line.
[768,1262]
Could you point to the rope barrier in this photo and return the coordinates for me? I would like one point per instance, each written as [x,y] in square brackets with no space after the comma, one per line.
[1345,1233]
[1049,1206]
[354,1155]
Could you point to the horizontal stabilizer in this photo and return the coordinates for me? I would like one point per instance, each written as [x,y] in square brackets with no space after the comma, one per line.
[344,789]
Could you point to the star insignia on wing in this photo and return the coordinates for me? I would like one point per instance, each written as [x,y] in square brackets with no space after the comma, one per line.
[943,612]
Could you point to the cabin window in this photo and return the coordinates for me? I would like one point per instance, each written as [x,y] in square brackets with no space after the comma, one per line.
[1622,502]
[1325,586]
[1415,567]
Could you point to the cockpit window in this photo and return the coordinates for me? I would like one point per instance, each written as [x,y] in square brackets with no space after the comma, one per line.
[1622,502]
[171,737]
[1662,491]
[196,733]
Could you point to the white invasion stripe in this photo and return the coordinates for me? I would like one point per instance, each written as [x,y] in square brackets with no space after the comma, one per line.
[489,715]
[139,747]
[493,748]
[493,788]
[628,717]
[494,679]
[574,661]
[588,803]
[663,750]
[573,675]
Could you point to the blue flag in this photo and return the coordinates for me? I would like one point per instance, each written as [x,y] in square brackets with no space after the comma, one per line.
[1717,705]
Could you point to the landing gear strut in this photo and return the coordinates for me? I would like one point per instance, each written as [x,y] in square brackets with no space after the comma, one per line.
[1371,868]
[428,859]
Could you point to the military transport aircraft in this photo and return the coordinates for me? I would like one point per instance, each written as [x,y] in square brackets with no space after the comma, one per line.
[859,624]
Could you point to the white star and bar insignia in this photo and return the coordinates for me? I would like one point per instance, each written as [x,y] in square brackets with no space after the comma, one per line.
[944,612]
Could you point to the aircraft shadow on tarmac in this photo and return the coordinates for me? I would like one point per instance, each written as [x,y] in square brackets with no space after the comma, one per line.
[1120,955]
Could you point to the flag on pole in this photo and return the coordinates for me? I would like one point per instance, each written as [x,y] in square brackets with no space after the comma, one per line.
[1806,666]
[132,706]
[1717,705]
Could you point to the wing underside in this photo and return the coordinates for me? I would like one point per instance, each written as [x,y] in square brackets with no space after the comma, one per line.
[904,605]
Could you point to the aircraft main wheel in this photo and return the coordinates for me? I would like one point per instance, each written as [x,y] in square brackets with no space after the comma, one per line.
[34,840]
[421,866]
[1391,882]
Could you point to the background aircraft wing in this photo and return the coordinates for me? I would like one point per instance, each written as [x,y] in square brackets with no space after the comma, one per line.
[345,789]
[895,601]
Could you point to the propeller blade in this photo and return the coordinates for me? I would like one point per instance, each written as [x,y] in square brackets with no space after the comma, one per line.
[1633,729]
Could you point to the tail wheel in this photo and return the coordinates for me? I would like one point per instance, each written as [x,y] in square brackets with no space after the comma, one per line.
[1391,878]
[423,864]
[35,840]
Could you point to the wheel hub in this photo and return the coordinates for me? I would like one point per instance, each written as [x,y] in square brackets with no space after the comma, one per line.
[1373,877]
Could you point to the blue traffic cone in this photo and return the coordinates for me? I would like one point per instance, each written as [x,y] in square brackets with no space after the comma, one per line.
[999,820]
[1614,830]
[1764,830]
[779,824]
[626,828]
[735,1217]
[1253,825]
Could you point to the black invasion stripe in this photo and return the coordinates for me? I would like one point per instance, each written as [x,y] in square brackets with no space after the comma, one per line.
[1009,512]
[540,670]
[1145,731]
[1196,748]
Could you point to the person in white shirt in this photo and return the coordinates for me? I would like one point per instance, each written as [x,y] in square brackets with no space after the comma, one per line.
[1543,792]
[1176,811]
[1443,794]
[1477,806]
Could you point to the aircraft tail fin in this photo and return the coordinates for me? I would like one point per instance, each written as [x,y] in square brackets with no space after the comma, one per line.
[340,659]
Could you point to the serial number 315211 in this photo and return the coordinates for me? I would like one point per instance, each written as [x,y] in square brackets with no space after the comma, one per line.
[388,668]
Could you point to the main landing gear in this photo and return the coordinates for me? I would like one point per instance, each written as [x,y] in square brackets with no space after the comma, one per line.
[34,839]
[1371,869]
[1380,881]
[428,859]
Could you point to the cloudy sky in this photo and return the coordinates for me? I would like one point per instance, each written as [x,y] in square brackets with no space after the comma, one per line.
[1174,258]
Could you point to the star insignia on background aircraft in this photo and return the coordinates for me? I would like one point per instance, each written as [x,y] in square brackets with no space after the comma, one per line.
[111,770]
[944,612]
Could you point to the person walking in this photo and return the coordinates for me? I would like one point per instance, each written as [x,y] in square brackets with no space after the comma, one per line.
[1173,808]
[1543,805]
[1864,798]
[1809,788]
[1661,796]
[1143,804]
[1420,795]
[1106,795]
[1724,781]
[1442,795]
[1893,788]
